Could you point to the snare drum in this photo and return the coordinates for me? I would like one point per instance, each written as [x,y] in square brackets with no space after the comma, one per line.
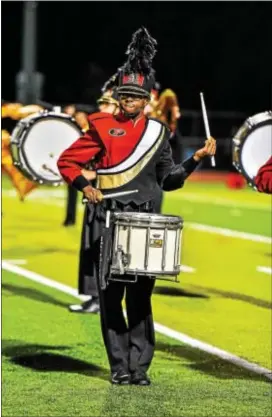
[252,145]
[146,244]
[38,140]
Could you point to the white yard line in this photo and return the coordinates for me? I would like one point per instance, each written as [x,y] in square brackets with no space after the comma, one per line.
[229,232]
[264,269]
[47,197]
[159,328]
[185,268]
[37,194]
[220,201]
[43,198]
[183,195]
[16,261]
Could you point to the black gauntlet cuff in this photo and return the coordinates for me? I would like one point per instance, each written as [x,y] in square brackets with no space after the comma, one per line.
[80,182]
[190,165]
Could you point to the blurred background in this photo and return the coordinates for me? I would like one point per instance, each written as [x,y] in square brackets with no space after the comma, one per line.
[202,46]
[61,53]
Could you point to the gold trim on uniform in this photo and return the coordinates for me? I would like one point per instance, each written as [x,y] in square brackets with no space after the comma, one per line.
[122,178]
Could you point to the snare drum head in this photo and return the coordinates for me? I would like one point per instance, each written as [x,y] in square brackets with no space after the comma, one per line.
[252,145]
[41,138]
[143,218]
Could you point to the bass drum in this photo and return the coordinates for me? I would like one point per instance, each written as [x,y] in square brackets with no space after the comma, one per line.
[38,140]
[252,145]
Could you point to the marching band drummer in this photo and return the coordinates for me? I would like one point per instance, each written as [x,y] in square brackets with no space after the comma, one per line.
[263,179]
[134,153]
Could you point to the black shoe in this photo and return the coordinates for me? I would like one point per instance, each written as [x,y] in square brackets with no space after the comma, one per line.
[140,378]
[120,378]
[90,306]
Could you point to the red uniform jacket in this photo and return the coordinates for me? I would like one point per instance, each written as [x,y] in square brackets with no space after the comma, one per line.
[125,153]
[108,142]
[263,179]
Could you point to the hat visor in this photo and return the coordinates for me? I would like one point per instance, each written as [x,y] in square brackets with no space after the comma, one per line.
[133,90]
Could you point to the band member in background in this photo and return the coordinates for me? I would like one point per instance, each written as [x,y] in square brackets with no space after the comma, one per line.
[111,143]
[87,284]
[164,106]
[108,102]
[11,114]
[263,179]
[82,121]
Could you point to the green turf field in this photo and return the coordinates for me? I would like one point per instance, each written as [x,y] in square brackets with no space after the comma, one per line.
[54,363]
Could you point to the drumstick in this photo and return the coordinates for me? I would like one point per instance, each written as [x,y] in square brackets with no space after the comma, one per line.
[113,195]
[206,123]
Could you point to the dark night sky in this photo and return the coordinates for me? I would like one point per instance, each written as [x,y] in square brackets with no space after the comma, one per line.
[223,48]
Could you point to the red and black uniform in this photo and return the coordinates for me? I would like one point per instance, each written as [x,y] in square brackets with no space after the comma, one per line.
[127,155]
[263,179]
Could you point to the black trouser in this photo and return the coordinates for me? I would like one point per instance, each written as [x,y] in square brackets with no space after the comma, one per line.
[158,202]
[71,205]
[130,346]
[89,249]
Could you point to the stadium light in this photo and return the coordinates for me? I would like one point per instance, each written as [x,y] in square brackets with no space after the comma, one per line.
[28,81]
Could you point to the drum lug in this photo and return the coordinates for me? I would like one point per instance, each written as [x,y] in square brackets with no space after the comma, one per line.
[122,259]
[126,258]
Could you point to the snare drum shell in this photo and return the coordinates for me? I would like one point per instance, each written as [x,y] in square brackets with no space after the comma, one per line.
[149,243]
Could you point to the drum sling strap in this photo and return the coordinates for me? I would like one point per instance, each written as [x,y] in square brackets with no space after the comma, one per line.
[105,251]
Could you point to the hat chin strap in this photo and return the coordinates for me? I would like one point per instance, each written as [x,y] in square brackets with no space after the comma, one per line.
[130,115]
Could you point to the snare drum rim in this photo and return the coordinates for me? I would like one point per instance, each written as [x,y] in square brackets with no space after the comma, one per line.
[136,218]
[249,129]
[28,123]
[145,272]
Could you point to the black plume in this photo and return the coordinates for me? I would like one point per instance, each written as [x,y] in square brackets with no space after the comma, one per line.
[113,81]
[141,52]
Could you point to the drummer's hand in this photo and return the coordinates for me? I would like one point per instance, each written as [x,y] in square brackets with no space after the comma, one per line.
[89,175]
[92,194]
[208,150]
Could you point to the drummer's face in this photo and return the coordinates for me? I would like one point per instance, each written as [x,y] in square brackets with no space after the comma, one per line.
[132,104]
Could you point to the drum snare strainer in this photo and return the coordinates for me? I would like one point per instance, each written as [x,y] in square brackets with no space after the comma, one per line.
[146,244]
